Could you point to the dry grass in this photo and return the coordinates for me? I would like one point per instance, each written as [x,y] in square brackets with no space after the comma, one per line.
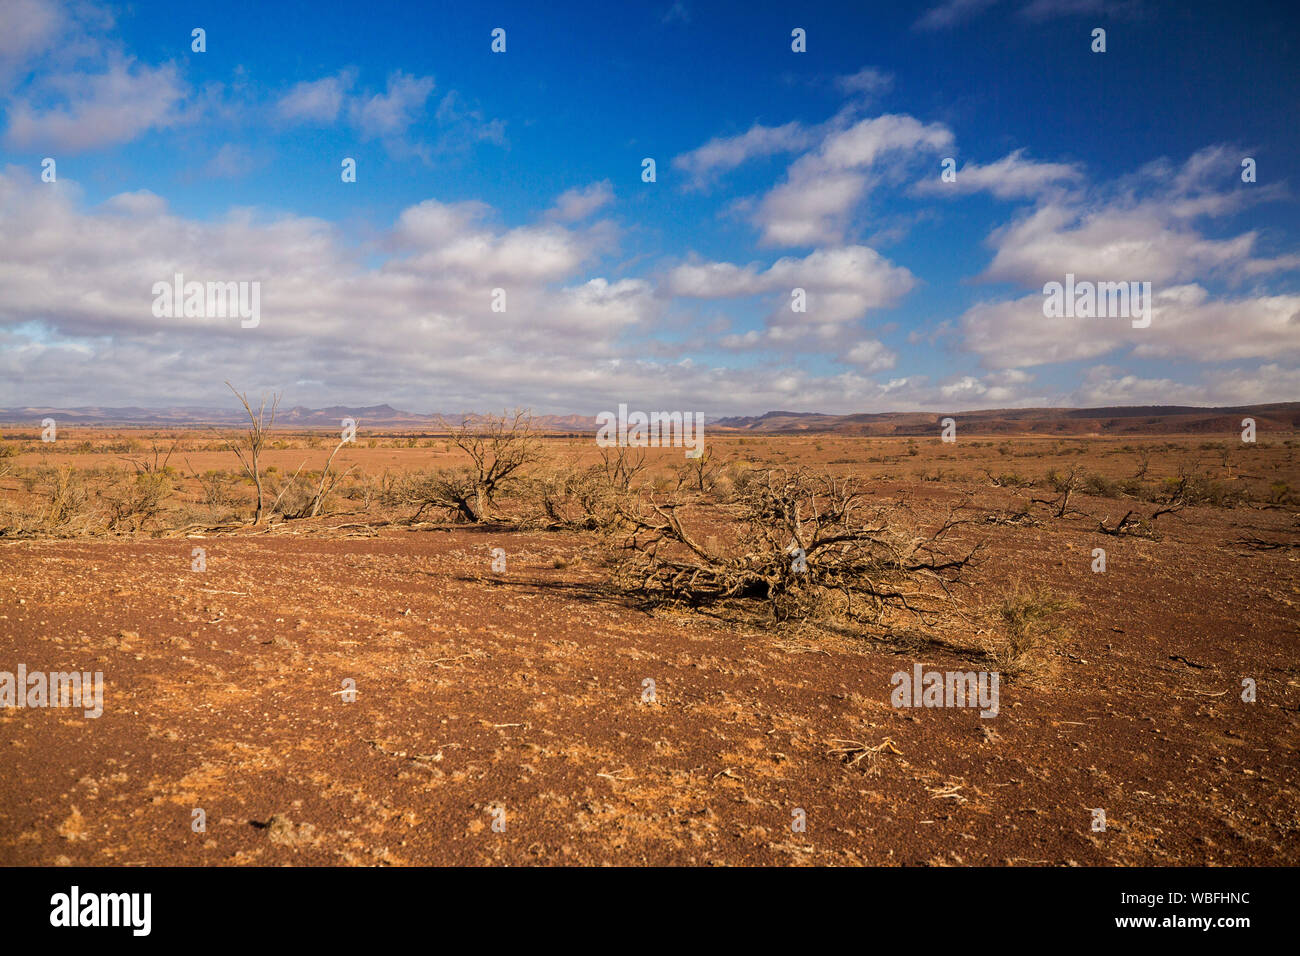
[1028,631]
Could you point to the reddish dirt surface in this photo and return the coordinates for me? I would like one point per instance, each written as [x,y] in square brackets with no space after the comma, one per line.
[522,690]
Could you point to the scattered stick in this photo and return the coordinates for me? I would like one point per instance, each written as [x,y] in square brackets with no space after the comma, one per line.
[859,750]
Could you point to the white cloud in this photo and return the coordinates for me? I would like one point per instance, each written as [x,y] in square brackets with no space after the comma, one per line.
[866,84]
[98,109]
[840,288]
[1105,385]
[1012,177]
[823,188]
[405,319]
[574,205]
[391,114]
[316,101]
[415,320]
[951,13]
[724,153]
[1185,323]
[871,355]
[463,126]
[1108,385]
[1142,229]
[842,284]
[30,29]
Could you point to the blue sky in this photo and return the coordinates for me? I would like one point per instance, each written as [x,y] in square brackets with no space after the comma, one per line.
[776,170]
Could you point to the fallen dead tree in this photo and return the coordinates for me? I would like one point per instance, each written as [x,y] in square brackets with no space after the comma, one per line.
[803,544]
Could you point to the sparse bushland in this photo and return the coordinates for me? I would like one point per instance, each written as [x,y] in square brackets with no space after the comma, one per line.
[217,491]
[295,496]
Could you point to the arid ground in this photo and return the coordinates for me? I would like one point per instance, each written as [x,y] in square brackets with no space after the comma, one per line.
[501,716]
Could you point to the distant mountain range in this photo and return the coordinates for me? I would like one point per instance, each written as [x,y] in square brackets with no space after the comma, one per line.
[1119,420]
[184,416]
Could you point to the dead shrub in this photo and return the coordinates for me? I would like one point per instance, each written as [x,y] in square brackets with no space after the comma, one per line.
[217,489]
[135,500]
[588,499]
[803,545]
[500,447]
[66,495]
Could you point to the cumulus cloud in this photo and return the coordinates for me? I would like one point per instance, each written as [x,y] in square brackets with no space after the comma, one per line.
[1247,385]
[391,113]
[416,305]
[823,188]
[1146,228]
[1108,243]
[81,111]
[406,318]
[871,355]
[840,286]
[1143,228]
[1186,323]
[31,27]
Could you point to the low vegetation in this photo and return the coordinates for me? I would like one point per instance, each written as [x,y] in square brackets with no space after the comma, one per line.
[731,530]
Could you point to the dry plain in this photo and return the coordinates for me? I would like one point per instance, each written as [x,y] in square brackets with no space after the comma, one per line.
[500,713]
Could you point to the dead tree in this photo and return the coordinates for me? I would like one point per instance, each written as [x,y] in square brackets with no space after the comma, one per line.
[702,471]
[1066,487]
[803,541]
[328,482]
[155,465]
[1132,523]
[249,448]
[1144,463]
[499,449]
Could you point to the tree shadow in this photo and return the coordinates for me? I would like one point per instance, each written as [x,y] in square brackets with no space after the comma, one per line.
[582,591]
